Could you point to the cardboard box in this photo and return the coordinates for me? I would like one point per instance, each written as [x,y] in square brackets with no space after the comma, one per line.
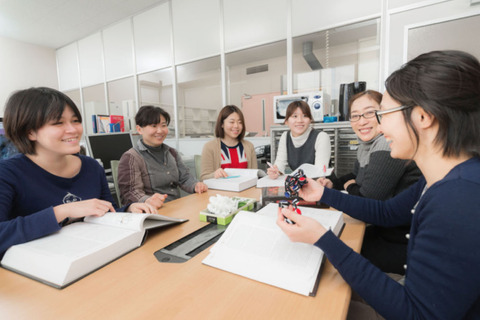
[248,204]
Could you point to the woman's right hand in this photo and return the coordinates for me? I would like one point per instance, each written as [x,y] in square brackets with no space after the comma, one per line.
[220,173]
[311,191]
[273,172]
[80,209]
[156,200]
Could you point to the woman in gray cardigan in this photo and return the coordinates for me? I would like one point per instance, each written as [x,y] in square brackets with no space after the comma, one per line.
[152,171]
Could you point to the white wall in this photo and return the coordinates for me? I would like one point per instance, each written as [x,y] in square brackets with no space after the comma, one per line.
[25,65]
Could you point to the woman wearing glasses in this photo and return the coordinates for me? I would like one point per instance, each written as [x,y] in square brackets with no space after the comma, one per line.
[430,113]
[377,175]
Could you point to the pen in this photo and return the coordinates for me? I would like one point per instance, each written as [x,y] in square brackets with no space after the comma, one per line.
[271,166]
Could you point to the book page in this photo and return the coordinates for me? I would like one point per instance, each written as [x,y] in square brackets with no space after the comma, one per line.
[77,249]
[232,183]
[312,171]
[246,172]
[255,247]
[134,221]
[266,182]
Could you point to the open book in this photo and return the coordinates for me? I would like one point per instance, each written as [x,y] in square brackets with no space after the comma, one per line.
[312,171]
[237,180]
[254,246]
[82,247]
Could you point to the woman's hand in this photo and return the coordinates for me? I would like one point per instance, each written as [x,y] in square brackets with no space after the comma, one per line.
[348,183]
[220,173]
[327,183]
[80,209]
[141,207]
[201,187]
[311,191]
[273,172]
[156,200]
[305,229]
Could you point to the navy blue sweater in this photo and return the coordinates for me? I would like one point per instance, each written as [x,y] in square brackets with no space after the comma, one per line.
[442,279]
[28,194]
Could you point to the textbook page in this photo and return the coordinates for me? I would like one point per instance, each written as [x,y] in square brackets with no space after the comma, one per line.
[268,182]
[253,246]
[237,180]
[312,171]
[81,247]
[246,172]
[135,221]
[74,251]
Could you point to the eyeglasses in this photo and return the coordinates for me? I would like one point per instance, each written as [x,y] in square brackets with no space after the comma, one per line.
[366,115]
[379,113]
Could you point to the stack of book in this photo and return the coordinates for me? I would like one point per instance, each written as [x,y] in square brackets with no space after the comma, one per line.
[107,123]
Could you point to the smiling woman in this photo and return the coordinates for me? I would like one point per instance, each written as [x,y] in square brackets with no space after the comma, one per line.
[151,171]
[377,175]
[301,144]
[228,149]
[48,184]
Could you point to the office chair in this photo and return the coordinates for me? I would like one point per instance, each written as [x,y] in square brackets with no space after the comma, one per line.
[114,167]
[198,165]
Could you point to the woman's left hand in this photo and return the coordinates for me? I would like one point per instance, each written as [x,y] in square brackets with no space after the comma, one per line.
[141,207]
[348,183]
[305,229]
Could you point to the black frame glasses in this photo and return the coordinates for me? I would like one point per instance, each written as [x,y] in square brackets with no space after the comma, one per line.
[380,113]
[367,115]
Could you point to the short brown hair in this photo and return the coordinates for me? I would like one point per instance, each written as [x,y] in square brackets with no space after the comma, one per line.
[298,104]
[224,114]
[30,109]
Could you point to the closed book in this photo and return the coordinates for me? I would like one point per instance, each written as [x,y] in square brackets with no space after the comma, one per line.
[116,123]
[237,180]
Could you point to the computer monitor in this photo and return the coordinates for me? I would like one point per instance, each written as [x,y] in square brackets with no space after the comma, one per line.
[108,146]
[7,148]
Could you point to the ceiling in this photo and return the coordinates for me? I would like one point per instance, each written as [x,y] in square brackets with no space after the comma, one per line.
[56,23]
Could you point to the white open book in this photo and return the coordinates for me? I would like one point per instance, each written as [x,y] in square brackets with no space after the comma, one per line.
[82,247]
[237,180]
[253,246]
[312,171]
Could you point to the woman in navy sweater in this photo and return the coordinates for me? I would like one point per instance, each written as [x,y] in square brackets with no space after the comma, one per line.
[48,184]
[430,113]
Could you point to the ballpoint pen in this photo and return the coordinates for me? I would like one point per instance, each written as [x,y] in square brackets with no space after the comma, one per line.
[271,166]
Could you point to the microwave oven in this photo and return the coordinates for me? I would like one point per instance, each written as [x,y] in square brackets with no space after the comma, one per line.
[314,99]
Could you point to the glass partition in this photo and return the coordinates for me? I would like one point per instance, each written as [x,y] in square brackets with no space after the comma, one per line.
[254,77]
[121,95]
[155,89]
[94,103]
[324,60]
[199,97]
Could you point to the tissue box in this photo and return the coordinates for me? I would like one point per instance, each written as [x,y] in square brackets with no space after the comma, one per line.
[245,204]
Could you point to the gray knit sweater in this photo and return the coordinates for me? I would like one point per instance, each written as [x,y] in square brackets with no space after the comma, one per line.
[377,174]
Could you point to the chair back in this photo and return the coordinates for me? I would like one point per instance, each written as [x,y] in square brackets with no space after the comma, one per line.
[198,165]
[114,167]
